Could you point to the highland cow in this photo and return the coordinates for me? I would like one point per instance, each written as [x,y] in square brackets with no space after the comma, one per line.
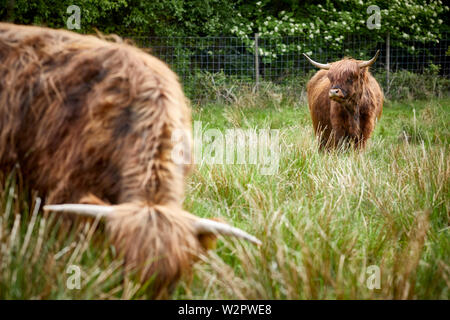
[345,101]
[89,123]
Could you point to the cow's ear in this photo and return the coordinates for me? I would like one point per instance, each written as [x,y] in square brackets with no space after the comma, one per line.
[210,227]
[208,241]
[363,74]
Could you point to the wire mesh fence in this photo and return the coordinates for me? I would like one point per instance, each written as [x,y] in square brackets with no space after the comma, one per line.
[280,60]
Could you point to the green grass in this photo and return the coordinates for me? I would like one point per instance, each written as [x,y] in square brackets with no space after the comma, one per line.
[323,218]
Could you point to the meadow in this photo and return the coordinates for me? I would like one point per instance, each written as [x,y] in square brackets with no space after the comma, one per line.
[324,218]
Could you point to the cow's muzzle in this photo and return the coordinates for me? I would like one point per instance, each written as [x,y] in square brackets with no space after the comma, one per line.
[336,93]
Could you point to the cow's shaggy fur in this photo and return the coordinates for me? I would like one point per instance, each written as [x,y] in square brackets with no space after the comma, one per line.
[350,116]
[90,121]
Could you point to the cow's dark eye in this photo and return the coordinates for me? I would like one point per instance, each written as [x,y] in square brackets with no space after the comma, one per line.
[349,80]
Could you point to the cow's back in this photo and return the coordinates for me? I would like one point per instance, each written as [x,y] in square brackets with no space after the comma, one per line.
[82,115]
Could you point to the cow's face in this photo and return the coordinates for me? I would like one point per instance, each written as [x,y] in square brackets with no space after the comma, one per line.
[344,77]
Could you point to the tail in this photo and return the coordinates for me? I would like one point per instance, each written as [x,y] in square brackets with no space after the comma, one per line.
[161,242]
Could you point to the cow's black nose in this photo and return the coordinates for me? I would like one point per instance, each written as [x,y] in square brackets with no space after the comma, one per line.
[336,92]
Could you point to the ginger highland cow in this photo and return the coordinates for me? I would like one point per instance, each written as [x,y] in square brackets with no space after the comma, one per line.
[345,102]
[89,123]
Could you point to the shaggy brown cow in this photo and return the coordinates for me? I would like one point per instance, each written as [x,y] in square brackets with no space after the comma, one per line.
[90,124]
[345,102]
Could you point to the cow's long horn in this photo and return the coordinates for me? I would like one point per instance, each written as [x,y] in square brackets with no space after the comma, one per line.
[318,65]
[200,225]
[210,226]
[369,62]
[86,210]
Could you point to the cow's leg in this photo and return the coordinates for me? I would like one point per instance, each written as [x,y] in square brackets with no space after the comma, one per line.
[340,125]
[367,124]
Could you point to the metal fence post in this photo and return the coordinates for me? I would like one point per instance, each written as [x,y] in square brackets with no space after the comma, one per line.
[256,62]
[388,60]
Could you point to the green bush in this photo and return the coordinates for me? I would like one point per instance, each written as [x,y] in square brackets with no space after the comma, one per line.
[406,85]
[207,87]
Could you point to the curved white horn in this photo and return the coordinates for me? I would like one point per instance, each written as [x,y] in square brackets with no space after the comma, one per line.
[369,62]
[318,65]
[200,225]
[86,210]
[210,226]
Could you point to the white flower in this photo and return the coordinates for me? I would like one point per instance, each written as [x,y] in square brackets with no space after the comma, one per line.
[258,3]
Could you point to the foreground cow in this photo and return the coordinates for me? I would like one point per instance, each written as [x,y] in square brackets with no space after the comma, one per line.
[90,124]
[345,102]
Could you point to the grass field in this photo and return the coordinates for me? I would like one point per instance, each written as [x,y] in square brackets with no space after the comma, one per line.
[323,218]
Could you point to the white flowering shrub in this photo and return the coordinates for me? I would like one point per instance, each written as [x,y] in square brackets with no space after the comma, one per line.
[327,25]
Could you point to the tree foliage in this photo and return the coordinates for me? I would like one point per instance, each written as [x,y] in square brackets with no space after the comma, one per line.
[124,17]
[421,20]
